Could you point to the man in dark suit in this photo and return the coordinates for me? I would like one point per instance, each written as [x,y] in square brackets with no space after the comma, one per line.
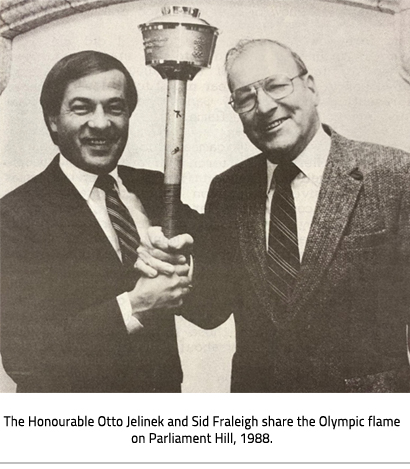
[307,243]
[75,315]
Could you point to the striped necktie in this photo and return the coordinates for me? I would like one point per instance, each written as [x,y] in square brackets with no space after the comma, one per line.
[121,220]
[283,252]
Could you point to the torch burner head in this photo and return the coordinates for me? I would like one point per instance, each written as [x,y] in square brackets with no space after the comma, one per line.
[178,44]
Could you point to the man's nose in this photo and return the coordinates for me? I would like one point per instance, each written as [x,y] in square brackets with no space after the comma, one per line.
[264,102]
[99,119]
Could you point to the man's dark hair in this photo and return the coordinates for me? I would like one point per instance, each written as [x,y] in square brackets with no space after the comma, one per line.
[76,66]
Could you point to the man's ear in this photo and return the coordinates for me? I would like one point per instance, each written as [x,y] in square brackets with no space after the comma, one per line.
[311,85]
[52,122]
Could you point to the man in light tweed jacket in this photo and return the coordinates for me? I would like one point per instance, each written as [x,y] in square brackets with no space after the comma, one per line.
[307,243]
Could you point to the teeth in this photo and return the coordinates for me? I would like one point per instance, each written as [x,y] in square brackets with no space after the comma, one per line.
[275,124]
[94,141]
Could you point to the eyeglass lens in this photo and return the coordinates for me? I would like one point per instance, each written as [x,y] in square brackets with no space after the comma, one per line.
[277,87]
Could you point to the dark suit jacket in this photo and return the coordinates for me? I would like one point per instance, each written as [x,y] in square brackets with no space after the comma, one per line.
[61,327]
[344,329]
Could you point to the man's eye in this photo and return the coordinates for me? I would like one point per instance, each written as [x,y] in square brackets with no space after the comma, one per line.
[243,96]
[276,87]
[116,109]
[244,99]
[80,109]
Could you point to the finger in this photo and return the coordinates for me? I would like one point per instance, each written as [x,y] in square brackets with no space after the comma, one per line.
[173,259]
[184,282]
[179,294]
[175,304]
[145,269]
[162,256]
[157,238]
[182,241]
[156,264]
[149,252]
[179,303]
[186,290]
[182,270]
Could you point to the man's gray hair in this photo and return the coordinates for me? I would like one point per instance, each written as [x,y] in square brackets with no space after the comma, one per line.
[245,44]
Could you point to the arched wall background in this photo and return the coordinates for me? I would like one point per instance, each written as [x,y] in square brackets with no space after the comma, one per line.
[358,56]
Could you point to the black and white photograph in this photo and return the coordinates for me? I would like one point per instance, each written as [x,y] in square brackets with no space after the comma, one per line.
[208,198]
[204,232]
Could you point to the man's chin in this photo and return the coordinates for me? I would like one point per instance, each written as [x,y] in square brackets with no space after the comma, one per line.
[279,153]
[101,164]
[275,149]
[268,144]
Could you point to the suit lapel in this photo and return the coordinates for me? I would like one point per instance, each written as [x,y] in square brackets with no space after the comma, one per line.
[147,188]
[75,219]
[337,199]
[251,229]
[77,242]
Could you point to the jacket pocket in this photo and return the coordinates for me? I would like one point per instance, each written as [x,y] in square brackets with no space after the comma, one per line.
[355,242]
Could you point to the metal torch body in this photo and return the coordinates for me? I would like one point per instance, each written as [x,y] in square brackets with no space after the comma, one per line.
[178,45]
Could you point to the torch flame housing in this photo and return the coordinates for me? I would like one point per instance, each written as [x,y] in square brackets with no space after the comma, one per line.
[178,44]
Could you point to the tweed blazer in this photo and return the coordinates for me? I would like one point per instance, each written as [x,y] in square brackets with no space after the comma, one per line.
[345,325]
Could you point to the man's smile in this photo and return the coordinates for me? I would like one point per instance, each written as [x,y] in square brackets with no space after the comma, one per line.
[98,142]
[271,125]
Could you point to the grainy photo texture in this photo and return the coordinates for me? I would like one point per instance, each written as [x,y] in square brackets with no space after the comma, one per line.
[286,265]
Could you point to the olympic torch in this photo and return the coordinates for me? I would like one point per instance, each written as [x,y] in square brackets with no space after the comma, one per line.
[178,45]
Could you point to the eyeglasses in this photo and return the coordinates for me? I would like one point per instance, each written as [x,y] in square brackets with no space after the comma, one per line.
[244,99]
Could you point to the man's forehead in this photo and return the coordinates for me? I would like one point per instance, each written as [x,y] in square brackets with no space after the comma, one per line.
[258,62]
[111,81]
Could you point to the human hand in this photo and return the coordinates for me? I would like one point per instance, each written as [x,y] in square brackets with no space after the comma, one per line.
[160,255]
[161,292]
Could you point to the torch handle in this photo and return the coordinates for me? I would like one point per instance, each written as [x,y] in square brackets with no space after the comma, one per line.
[174,145]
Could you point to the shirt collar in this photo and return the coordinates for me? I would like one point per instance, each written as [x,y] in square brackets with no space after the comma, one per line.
[311,161]
[82,180]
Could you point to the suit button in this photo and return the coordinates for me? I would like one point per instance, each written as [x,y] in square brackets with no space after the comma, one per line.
[356,174]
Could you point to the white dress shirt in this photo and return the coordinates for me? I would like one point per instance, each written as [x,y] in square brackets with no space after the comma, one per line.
[95,199]
[305,186]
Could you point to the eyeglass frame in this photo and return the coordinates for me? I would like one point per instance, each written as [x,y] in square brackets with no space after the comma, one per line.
[261,85]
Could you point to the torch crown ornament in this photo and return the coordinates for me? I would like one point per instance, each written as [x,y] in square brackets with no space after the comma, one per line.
[178,43]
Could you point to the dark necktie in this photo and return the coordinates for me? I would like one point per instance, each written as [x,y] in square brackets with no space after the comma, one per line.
[121,220]
[283,252]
